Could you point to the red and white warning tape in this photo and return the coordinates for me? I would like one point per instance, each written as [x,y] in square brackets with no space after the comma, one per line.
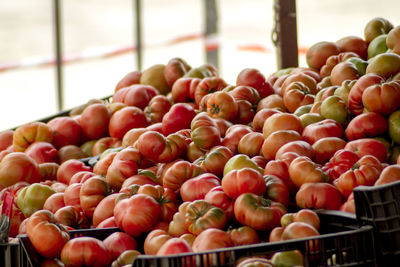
[211,44]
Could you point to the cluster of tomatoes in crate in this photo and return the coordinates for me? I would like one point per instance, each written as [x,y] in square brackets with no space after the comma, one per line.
[185,161]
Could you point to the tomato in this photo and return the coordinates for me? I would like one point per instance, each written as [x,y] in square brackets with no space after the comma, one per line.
[139,179]
[215,160]
[303,170]
[125,119]
[136,95]
[69,216]
[107,223]
[382,98]
[364,172]
[54,202]
[42,152]
[104,209]
[208,85]
[221,104]
[369,124]
[201,215]
[349,205]
[254,78]
[299,147]
[282,121]
[243,235]
[164,196]
[154,240]
[118,242]
[30,132]
[340,162]
[243,180]
[68,168]
[175,69]
[258,212]
[137,214]
[47,237]
[333,107]
[298,230]
[209,239]
[173,246]
[101,166]
[248,93]
[326,147]
[158,106]
[204,131]
[389,174]
[233,135]
[367,146]
[177,226]
[66,131]
[197,187]
[32,198]
[81,177]
[94,121]
[276,233]
[218,198]
[126,258]
[297,94]
[178,117]
[124,165]
[258,261]
[6,139]
[17,167]
[276,140]
[130,78]
[319,196]
[355,95]
[287,258]
[72,195]
[92,192]
[105,143]
[85,251]
[276,190]
[157,147]
[183,89]
[394,126]
[325,128]
[260,117]
[178,173]
[308,216]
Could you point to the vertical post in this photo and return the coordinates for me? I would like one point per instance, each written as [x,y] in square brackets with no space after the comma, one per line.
[58,53]
[284,35]
[138,33]
[211,32]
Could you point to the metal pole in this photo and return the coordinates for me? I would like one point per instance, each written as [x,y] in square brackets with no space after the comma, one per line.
[58,54]
[138,33]
[284,35]
[211,31]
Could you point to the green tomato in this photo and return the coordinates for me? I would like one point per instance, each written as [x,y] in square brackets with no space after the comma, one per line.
[344,90]
[240,161]
[333,107]
[360,64]
[308,118]
[394,126]
[287,258]
[302,110]
[32,197]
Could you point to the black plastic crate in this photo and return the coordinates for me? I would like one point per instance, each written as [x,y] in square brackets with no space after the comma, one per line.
[379,206]
[9,254]
[341,243]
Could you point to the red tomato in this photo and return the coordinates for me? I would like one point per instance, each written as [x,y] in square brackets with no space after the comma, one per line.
[389,174]
[54,202]
[68,168]
[325,128]
[101,166]
[72,195]
[215,159]
[212,239]
[197,187]
[92,192]
[299,230]
[158,106]
[208,85]
[258,212]
[303,170]
[282,121]
[368,146]
[81,177]
[105,143]
[251,144]
[276,140]
[105,209]
[137,214]
[221,104]
[17,167]
[326,147]
[300,147]
[173,246]
[234,134]
[340,162]
[137,95]
[85,251]
[69,216]
[6,139]
[154,240]
[178,173]
[30,132]
[47,237]
[319,196]
[218,198]
[308,216]
[243,235]
[368,124]
[276,234]
[276,190]
[254,78]
[130,78]
[261,116]
[66,131]
[183,89]
[125,119]
[94,121]
[244,180]
[177,118]
[248,93]
[42,152]
[204,131]
[118,242]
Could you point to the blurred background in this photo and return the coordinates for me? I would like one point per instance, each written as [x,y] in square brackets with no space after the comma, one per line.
[92,28]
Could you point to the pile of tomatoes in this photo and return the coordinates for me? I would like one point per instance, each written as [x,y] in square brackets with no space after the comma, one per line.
[189,162]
